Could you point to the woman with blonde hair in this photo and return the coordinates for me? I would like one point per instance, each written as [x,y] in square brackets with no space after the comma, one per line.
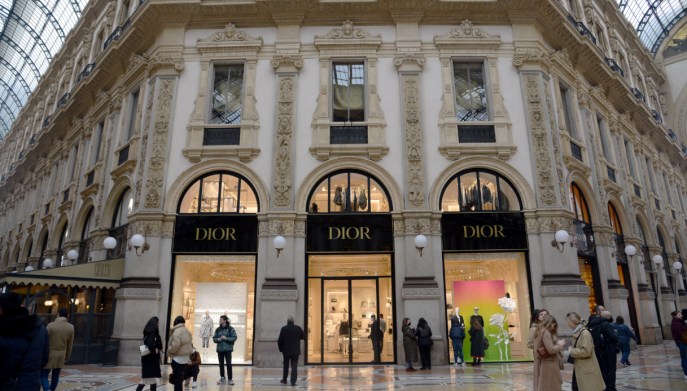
[547,359]
[586,372]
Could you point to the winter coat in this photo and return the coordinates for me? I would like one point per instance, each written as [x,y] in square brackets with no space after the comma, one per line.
[179,343]
[23,336]
[530,336]
[547,371]
[289,341]
[678,329]
[150,363]
[457,330]
[587,370]
[61,336]
[424,336]
[227,345]
[623,332]
[608,348]
[409,343]
[476,342]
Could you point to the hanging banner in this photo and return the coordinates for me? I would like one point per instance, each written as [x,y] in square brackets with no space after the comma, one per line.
[483,231]
[198,234]
[360,232]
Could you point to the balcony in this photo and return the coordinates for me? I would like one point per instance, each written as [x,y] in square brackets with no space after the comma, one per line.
[672,135]
[657,116]
[582,29]
[638,94]
[123,156]
[86,71]
[476,134]
[348,135]
[46,121]
[584,237]
[614,66]
[63,100]
[222,136]
[576,151]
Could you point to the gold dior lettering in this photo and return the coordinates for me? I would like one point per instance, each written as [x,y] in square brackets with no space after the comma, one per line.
[483,231]
[354,233]
[215,233]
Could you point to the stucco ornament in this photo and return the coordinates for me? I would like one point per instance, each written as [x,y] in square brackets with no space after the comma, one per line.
[348,31]
[467,30]
[283,162]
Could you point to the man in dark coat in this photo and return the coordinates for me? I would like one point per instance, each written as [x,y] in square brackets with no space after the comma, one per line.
[24,345]
[376,336]
[289,343]
[605,345]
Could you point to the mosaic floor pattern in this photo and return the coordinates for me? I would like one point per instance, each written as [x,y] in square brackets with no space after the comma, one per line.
[655,368]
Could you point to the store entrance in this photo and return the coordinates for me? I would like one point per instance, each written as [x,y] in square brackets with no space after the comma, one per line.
[340,309]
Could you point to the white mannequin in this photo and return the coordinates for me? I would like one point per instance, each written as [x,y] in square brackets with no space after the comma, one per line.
[206,329]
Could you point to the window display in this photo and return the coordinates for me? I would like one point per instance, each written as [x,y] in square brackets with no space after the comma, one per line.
[206,287]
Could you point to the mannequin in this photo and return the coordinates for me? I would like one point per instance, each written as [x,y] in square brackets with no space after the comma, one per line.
[206,329]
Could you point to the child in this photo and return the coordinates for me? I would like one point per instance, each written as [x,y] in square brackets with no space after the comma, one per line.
[192,369]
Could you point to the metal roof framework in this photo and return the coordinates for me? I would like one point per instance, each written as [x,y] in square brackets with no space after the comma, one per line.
[31,33]
[653,19]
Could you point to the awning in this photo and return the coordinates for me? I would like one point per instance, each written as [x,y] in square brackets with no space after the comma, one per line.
[103,274]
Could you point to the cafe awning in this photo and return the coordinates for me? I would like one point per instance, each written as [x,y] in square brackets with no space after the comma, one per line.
[103,274]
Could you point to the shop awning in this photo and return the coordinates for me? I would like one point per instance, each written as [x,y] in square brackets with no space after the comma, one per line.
[104,274]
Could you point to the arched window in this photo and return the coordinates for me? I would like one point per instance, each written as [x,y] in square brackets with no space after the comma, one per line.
[219,192]
[618,236]
[479,191]
[124,207]
[579,204]
[349,192]
[85,235]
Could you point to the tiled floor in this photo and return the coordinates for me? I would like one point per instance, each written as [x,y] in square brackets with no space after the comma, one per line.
[656,368]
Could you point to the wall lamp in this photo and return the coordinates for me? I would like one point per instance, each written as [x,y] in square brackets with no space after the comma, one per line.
[420,243]
[48,263]
[630,251]
[657,260]
[137,241]
[560,238]
[279,243]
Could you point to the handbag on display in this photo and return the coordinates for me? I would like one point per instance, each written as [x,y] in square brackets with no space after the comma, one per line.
[144,350]
[486,343]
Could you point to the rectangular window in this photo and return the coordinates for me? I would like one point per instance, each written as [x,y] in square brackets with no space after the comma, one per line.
[568,112]
[650,172]
[227,94]
[98,140]
[629,151]
[667,186]
[132,114]
[470,89]
[348,92]
[603,136]
[72,164]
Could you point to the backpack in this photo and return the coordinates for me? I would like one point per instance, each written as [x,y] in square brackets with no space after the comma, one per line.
[598,337]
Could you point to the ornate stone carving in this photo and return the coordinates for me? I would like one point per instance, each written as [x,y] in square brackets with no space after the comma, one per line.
[347,31]
[135,61]
[415,172]
[467,30]
[154,182]
[545,180]
[283,164]
[412,58]
[417,226]
[295,61]
[563,57]
[230,33]
[531,56]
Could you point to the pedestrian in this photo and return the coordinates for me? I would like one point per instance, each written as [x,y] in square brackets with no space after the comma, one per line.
[224,337]
[596,314]
[624,336]
[24,346]
[289,343]
[192,369]
[476,338]
[457,335]
[583,358]
[409,344]
[376,336]
[382,328]
[424,342]
[61,338]
[537,316]
[679,331]
[605,345]
[150,363]
[179,347]
[547,355]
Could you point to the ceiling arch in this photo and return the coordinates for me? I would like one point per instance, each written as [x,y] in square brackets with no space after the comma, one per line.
[31,33]
[653,19]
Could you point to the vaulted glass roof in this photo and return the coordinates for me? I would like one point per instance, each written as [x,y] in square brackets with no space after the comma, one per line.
[31,33]
[653,19]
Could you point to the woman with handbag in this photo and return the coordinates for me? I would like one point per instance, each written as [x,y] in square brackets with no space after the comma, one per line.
[547,356]
[179,347]
[150,355]
[424,342]
[586,372]
[476,338]
[409,344]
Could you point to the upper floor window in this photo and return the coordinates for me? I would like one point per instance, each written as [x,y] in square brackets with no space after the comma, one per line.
[479,191]
[629,151]
[470,91]
[615,220]
[219,192]
[579,205]
[227,94]
[125,205]
[603,136]
[650,172]
[97,142]
[348,91]
[349,191]
[133,110]
[667,187]
[567,111]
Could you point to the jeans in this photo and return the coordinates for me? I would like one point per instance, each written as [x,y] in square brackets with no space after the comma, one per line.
[607,366]
[55,379]
[683,355]
[457,349]
[625,350]
[222,356]
[178,373]
[293,360]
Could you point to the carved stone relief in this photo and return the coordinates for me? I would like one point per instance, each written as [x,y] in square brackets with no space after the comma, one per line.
[413,136]
[154,181]
[546,182]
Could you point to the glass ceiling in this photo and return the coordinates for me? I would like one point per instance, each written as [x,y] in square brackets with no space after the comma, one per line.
[31,33]
[653,19]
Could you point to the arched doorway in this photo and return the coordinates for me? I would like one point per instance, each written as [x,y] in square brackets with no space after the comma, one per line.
[215,261]
[349,269]
[586,250]
[484,245]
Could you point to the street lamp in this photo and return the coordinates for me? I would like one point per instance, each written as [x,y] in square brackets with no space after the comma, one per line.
[677,265]
[420,243]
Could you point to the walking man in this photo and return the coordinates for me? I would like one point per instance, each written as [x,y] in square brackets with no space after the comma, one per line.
[61,338]
[289,343]
[376,336]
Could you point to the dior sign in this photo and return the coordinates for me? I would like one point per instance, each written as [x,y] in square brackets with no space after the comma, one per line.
[483,231]
[359,232]
[231,233]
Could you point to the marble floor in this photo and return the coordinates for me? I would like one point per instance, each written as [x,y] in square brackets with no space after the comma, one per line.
[655,368]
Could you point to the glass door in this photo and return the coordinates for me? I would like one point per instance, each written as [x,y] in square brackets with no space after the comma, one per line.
[336,319]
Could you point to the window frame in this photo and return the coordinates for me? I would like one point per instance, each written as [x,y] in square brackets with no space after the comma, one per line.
[485,85]
[211,95]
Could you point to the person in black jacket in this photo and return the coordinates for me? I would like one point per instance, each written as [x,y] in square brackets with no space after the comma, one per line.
[424,342]
[24,346]
[289,343]
[150,363]
[605,345]
[376,336]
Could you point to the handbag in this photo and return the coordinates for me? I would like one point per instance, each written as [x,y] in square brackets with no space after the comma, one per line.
[144,350]
[543,353]
[486,343]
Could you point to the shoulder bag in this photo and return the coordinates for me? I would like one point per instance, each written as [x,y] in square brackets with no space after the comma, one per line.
[144,348]
[543,353]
